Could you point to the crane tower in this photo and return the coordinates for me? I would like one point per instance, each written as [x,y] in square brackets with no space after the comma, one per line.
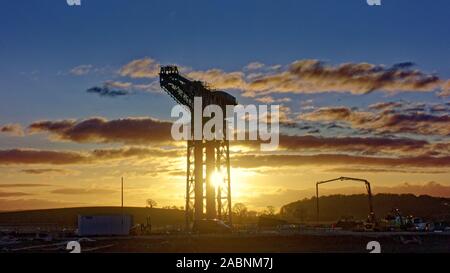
[205,198]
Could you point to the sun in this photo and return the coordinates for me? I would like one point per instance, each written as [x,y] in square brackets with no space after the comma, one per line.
[218,179]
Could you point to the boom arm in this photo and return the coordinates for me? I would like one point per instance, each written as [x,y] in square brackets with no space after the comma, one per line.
[178,87]
[183,90]
[342,178]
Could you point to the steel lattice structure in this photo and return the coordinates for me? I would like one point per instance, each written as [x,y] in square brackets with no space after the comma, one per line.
[204,157]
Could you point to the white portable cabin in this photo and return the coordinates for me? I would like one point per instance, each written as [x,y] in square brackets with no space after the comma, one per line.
[104,225]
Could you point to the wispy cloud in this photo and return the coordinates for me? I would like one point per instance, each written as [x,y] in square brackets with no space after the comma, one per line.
[12,129]
[220,79]
[106,91]
[23,204]
[81,70]
[270,100]
[22,185]
[113,89]
[141,68]
[82,191]
[385,170]
[12,194]
[254,66]
[43,171]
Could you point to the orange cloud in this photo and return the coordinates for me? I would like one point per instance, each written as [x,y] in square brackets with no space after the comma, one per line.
[363,145]
[269,100]
[445,89]
[100,130]
[12,194]
[23,156]
[385,121]
[220,79]
[276,161]
[358,145]
[24,204]
[20,156]
[12,129]
[385,170]
[22,185]
[306,76]
[81,191]
[141,68]
[43,171]
[152,131]
[313,76]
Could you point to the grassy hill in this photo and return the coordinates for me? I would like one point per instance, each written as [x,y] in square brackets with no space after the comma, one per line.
[68,216]
[333,207]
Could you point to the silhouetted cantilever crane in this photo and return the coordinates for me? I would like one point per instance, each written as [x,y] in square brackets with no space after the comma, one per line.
[213,154]
[371,217]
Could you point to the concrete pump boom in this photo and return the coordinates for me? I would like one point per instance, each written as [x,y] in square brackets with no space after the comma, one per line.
[371,218]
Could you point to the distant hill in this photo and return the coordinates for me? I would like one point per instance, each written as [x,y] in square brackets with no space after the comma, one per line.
[333,207]
[68,216]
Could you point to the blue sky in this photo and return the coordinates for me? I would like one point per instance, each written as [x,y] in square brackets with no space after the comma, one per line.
[42,40]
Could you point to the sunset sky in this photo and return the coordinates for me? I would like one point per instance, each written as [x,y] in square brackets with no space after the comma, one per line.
[364,92]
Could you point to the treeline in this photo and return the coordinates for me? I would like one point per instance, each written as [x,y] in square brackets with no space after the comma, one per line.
[334,207]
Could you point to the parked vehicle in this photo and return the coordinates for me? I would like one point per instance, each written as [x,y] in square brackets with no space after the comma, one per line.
[441,226]
[419,224]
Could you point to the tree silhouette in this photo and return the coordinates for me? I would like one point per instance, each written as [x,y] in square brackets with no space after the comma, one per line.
[240,210]
[151,203]
[270,210]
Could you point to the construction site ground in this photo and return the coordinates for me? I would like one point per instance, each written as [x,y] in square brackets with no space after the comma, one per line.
[268,242]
